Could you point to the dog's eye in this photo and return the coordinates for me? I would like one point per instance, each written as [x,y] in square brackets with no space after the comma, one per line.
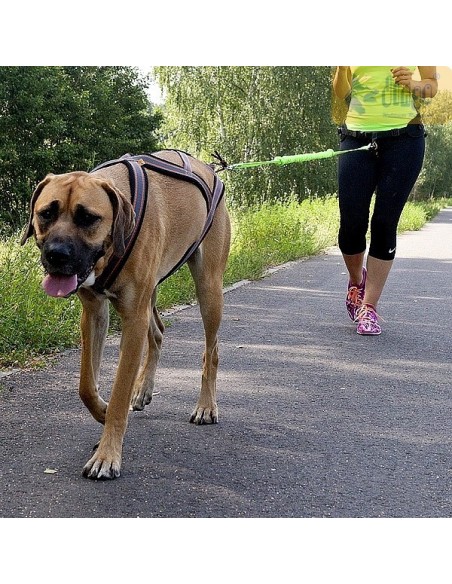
[49,214]
[46,215]
[84,218]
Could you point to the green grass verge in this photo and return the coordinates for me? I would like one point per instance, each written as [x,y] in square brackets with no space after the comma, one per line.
[33,325]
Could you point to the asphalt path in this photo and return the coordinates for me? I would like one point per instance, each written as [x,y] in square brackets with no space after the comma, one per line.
[315,420]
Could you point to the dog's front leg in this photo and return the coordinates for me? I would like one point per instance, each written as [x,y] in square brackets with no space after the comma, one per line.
[94,326]
[144,386]
[106,461]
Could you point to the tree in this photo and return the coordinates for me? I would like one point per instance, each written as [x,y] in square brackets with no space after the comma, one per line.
[58,119]
[436,177]
[254,113]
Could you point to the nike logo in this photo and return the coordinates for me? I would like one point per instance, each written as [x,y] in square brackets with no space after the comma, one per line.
[392,250]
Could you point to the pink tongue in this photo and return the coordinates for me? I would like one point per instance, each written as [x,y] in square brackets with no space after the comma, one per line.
[59,286]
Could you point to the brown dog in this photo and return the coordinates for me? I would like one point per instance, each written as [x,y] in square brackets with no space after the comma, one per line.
[81,221]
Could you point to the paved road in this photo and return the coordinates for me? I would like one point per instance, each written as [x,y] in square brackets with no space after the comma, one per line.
[315,421]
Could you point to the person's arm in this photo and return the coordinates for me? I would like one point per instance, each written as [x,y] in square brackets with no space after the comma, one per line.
[342,82]
[426,87]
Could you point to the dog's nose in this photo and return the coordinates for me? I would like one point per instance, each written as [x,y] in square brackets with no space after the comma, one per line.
[58,253]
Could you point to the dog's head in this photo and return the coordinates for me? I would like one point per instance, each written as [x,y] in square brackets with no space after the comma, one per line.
[77,220]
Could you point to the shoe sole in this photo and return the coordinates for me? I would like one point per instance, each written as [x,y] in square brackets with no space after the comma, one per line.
[368,334]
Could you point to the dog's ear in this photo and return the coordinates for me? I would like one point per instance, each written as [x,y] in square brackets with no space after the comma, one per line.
[123,216]
[29,229]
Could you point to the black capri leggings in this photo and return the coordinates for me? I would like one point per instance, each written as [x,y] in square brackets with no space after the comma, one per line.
[390,171]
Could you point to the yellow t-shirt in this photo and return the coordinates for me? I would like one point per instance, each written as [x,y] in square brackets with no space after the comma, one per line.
[376,102]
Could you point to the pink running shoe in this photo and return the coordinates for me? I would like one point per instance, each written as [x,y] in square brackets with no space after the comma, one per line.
[367,318]
[355,295]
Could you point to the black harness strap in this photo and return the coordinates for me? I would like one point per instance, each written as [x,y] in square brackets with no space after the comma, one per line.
[139,193]
[183,172]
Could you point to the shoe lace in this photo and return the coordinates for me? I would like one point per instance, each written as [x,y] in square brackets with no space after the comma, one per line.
[353,294]
[368,312]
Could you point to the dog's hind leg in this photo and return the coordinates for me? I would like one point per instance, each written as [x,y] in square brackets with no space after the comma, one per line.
[94,326]
[144,386]
[207,267]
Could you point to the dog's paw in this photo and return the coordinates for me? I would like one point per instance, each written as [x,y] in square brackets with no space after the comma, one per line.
[140,400]
[202,415]
[102,467]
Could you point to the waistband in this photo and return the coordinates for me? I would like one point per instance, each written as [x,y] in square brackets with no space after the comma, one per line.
[344,131]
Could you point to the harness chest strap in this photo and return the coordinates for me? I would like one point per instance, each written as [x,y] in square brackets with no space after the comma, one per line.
[139,194]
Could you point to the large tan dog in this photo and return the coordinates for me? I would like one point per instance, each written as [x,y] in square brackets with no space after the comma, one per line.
[80,221]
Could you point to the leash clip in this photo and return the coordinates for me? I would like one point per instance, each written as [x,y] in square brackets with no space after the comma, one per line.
[221,162]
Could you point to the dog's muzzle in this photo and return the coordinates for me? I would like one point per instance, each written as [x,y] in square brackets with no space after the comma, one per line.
[68,266]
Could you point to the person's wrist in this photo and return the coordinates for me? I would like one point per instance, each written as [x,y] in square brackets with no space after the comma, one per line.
[415,89]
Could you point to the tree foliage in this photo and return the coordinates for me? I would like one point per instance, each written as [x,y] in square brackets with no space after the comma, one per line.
[436,176]
[57,119]
[254,113]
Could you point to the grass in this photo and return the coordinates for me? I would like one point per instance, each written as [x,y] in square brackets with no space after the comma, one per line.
[279,232]
[32,325]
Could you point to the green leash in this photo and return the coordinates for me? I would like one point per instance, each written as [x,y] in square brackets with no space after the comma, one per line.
[281,160]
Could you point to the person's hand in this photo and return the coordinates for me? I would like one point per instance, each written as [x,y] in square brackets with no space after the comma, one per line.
[403,76]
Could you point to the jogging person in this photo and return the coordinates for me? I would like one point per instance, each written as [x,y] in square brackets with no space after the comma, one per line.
[381,110]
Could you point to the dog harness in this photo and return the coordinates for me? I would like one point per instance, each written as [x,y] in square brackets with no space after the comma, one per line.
[139,194]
